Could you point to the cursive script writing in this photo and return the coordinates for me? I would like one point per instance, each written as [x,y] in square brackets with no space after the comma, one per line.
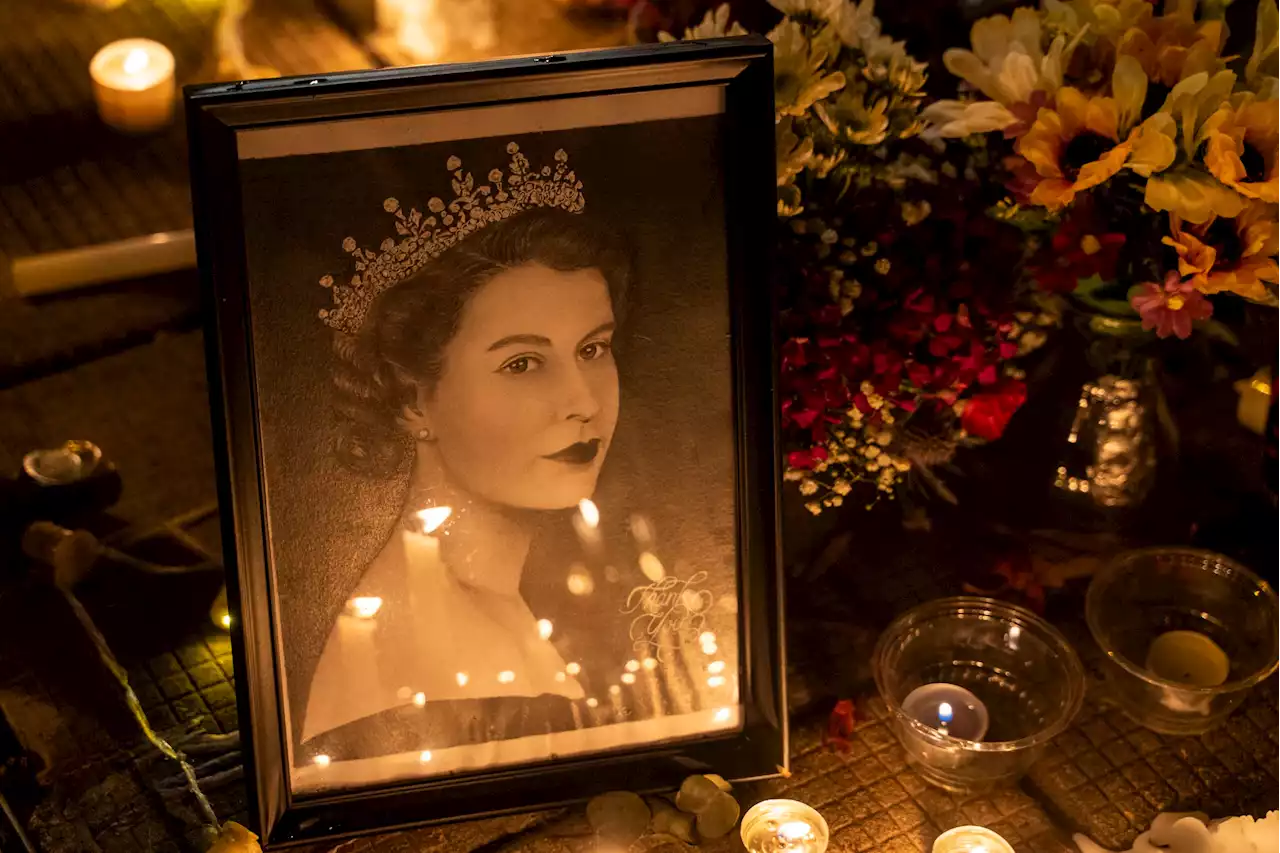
[667,612]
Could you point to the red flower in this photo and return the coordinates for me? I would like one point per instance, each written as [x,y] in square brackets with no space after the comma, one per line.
[986,414]
[1081,248]
[1171,309]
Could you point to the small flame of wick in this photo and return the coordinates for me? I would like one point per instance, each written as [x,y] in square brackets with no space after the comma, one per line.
[944,713]
[136,61]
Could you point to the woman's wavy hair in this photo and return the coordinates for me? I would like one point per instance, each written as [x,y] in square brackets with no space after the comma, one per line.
[401,343]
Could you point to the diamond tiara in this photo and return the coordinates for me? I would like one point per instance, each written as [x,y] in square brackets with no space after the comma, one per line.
[424,236]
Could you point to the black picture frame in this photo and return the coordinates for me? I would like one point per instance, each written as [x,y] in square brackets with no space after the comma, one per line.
[216,115]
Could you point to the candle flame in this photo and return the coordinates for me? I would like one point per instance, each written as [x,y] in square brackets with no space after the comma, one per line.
[424,756]
[573,668]
[225,620]
[545,628]
[462,679]
[944,713]
[321,760]
[136,61]
[420,699]
[794,830]
[628,678]
[366,606]
[433,516]
[590,513]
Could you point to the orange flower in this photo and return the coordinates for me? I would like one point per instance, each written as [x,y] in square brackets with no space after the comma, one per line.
[1173,47]
[1073,147]
[1236,255]
[1241,150]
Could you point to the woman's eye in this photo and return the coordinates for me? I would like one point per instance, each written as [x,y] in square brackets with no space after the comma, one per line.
[519,365]
[594,350]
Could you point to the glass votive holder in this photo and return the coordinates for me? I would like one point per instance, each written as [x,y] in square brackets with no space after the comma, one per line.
[1021,678]
[784,826]
[1186,634]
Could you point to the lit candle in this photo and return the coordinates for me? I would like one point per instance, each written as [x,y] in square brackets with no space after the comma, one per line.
[784,826]
[949,708]
[971,839]
[1255,401]
[133,85]
[1188,657]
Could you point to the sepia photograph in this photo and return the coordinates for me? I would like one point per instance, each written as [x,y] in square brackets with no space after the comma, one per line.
[494,379]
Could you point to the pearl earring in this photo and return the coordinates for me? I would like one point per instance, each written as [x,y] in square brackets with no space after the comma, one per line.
[424,435]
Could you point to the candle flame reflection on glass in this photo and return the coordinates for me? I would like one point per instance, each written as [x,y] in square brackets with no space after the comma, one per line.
[545,628]
[366,606]
[590,513]
[434,516]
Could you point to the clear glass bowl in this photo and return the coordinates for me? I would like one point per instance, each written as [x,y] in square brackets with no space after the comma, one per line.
[1023,671]
[1142,596]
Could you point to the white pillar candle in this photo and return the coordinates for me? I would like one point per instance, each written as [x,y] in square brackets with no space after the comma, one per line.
[133,85]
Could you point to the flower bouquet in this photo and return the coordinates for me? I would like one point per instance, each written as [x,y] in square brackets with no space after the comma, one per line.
[897,288]
[1142,163]
[1145,156]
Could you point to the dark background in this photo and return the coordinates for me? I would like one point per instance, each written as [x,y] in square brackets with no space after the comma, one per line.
[660,185]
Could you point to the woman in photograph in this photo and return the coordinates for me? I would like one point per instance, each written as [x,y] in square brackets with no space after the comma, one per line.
[502,606]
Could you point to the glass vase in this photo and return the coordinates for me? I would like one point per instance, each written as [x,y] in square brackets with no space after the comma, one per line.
[1112,449]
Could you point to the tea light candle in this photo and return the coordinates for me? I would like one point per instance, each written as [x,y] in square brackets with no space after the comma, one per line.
[971,839]
[1188,657]
[784,826]
[949,708]
[1255,401]
[133,84]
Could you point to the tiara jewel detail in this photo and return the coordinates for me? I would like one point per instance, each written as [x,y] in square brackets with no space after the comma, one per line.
[424,236]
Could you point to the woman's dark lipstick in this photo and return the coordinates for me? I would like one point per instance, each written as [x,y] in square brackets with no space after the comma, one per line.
[581,453]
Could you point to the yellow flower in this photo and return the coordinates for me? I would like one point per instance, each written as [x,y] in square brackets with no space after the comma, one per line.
[1195,257]
[793,153]
[1232,255]
[799,77]
[848,117]
[1073,147]
[715,24]
[1242,148]
[1192,195]
[1194,102]
[1174,46]
[1008,66]
[234,838]
[1266,41]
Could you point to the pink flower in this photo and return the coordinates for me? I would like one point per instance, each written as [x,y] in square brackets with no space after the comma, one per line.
[1171,308]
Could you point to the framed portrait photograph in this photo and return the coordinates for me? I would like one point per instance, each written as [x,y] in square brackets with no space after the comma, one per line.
[491,356]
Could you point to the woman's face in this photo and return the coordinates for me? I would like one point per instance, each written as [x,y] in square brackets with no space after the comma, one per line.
[527,401]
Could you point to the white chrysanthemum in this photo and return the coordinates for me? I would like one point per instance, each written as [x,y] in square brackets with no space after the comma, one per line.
[715,24]
[799,68]
[1006,65]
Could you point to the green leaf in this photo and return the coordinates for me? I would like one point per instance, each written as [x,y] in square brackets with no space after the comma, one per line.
[619,816]
[696,794]
[720,817]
